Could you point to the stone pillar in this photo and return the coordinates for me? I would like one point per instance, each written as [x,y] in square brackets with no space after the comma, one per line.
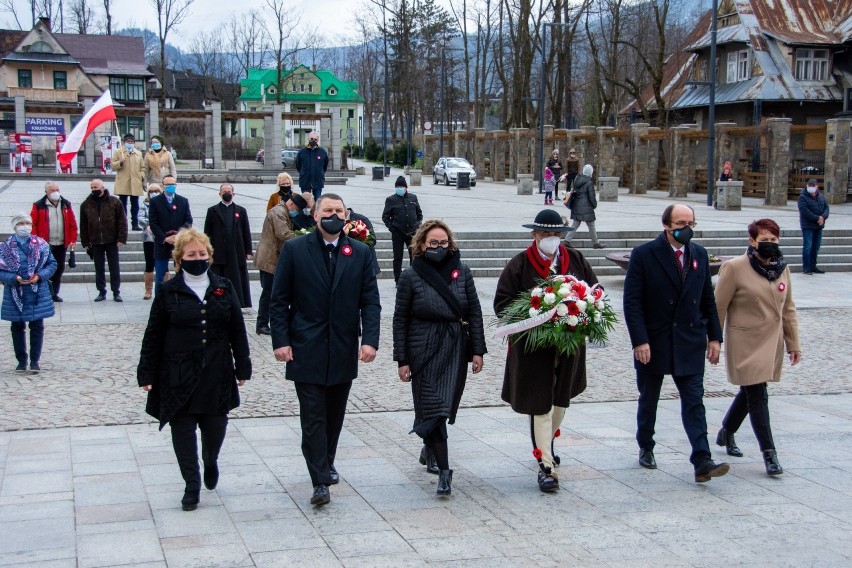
[216,108]
[498,156]
[517,147]
[335,146]
[653,161]
[729,195]
[428,151]
[416,177]
[679,164]
[639,157]
[276,135]
[89,144]
[605,160]
[268,139]
[479,144]
[525,184]
[607,188]
[725,149]
[778,160]
[153,118]
[326,136]
[837,159]
[21,114]
[208,142]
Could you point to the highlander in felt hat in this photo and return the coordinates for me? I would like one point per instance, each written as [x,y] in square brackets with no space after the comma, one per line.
[548,220]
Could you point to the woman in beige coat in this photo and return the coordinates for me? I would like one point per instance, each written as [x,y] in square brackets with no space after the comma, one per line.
[757,312]
[159,162]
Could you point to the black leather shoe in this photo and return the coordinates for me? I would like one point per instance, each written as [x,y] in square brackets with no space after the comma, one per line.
[445,480]
[546,482]
[264,330]
[101,297]
[646,459]
[710,469]
[211,475]
[57,300]
[34,367]
[190,500]
[427,458]
[21,368]
[321,495]
[117,297]
[770,458]
[332,473]
[818,271]
[725,438]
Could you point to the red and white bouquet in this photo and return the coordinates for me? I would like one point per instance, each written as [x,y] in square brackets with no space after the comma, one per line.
[561,312]
[359,231]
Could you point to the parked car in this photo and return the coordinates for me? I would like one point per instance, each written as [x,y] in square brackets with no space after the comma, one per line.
[288,158]
[446,170]
[259,156]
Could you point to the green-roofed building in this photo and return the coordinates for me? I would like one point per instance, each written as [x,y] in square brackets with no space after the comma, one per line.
[303,90]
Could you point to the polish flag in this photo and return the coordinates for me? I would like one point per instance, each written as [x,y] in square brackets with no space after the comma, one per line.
[101,112]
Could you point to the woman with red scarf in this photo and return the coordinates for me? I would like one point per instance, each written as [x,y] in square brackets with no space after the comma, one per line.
[541,383]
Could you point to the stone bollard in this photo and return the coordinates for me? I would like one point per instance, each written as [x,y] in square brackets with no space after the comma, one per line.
[525,184]
[729,195]
[608,189]
[416,177]
[360,170]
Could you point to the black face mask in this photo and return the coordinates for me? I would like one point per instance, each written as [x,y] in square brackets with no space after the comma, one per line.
[97,193]
[312,143]
[437,254]
[332,224]
[285,189]
[683,236]
[227,197]
[195,267]
[768,250]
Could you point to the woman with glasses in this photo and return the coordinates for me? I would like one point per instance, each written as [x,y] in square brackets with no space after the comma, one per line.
[437,331]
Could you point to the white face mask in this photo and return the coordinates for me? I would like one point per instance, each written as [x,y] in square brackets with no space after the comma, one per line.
[23,230]
[54,196]
[549,245]
[812,189]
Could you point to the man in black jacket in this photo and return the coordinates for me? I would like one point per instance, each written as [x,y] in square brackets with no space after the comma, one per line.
[227,225]
[402,216]
[312,163]
[167,214]
[670,312]
[324,290]
[103,228]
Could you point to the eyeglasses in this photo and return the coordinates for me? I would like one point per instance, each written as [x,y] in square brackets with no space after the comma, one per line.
[682,224]
[433,243]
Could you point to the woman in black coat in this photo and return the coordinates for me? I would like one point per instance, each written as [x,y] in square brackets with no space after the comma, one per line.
[194,355]
[583,205]
[437,330]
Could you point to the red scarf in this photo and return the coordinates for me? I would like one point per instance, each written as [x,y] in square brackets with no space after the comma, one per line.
[542,265]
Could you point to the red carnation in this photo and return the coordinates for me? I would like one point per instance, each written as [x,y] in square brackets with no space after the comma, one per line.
[549,289]
[580,290]
[597,293]
[535,302]
[219,292]
[537,453]
[557,433]
[573,310]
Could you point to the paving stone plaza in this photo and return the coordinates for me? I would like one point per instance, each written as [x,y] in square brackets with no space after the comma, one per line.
[86,478]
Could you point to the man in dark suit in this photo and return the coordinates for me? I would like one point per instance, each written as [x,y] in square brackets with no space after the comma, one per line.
[324,289]
[227,225]
[670,311]
[167,214]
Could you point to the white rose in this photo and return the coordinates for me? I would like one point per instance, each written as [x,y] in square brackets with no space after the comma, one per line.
[596,317]
[536,291]
[534,312]
[564,290]
[599,304]
[572,320]
[550,298]
[561,310]
[581,305]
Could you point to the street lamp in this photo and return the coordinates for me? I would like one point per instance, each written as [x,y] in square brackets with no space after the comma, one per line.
[443,80]
[541,99]
[387,103]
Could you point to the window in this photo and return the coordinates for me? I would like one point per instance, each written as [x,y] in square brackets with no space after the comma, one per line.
[134,125]
[811,64]
[701,71]
[60,80]
[25,78]
[127,89]
[738,66]
[41,47]
[254,133]
[301,87]
[351,112]
[332,91]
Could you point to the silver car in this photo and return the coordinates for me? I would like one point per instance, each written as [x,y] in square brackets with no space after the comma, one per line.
[447,170]
[288,158]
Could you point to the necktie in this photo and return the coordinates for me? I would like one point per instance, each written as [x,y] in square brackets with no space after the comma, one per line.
[679,255]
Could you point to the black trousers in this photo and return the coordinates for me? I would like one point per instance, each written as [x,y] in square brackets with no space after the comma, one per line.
[110,251]
[321,412]
[213,428]
[692,413]
[58,252]
[134,208]
[754,401]
[265,296]
[19,340]
[400,241]
[148,252]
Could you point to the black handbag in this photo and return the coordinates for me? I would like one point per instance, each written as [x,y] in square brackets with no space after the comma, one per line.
[72,259]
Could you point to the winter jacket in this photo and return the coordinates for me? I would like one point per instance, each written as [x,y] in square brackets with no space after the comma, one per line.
[144,221]
[102,221]
[811,207]
[30,302]
[584,201]
[159,165]
[402,213]
[41,216]
[129,168]
[312,164]
[277,230]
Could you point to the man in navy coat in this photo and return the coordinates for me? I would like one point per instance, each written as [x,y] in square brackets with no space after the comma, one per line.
[167,214]
[671,316]
[324,296]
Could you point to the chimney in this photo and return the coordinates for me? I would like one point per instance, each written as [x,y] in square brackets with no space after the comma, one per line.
[314,67]
[45,21]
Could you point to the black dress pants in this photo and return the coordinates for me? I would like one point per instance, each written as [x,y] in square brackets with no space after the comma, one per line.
[110,251]
[754,401]
[183,425]
[400,241]
[266,279]
[58,252]
[321,412]
[134,208]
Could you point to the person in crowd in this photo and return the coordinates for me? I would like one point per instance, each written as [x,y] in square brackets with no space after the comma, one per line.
[671,316]
[352,216]
[402,216]
[26,265]
[572,168]
[167,214]
[154,189]
[158,162]
[324,297]
[727,174]
[541,382]
[549,186]
[282,194]
[194,356]
[227,225]
[103,229]
[554,164]
[311,203]
[54,221]
[813,213]
[437,331]
[277,230]
[754,296]
[312,163]
[129,167]
[583,205]
[305,219]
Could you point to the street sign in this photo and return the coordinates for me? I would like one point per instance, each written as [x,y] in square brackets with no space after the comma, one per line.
[427,125]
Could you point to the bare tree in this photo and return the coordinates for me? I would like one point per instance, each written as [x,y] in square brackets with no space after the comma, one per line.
[108,16]
[249,40]
[10,7]
[284,21]
[170,13]
[82,17]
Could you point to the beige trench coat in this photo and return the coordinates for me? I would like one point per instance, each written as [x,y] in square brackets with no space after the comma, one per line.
[129,171]
[759,319]
[277,229]
[159,165]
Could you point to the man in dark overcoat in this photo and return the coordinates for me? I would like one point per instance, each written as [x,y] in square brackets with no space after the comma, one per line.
[227,225]
[670,312]
[542,382]
[324,289]
[167,214]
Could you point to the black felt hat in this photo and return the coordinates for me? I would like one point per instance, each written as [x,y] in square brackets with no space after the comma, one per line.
[298,201]
[548,220]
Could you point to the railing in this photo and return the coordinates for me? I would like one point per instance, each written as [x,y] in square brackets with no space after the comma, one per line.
[664,179]
[754,184]
[44,95]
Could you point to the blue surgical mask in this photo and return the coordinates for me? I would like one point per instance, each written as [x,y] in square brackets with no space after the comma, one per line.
[294,213]
[129,147]
[170,189]
[156,146]
[400,191]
